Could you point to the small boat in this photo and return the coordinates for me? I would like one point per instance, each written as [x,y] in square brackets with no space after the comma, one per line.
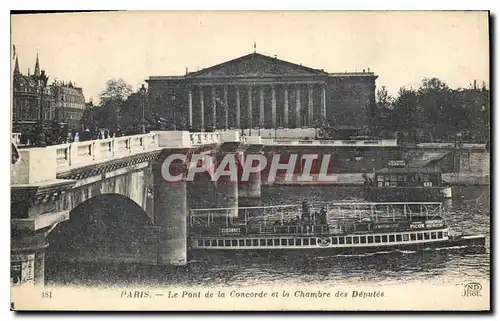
[412,184]
[338,228]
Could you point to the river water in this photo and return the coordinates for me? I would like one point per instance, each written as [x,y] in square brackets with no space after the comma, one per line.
[469,211]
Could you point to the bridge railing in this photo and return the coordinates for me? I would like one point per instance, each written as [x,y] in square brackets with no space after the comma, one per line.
[202,138]
[301,142]
[88,152]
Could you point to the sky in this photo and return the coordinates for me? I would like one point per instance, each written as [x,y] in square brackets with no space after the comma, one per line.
[402,48]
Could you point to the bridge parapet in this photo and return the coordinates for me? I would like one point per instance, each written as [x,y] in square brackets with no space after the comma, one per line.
[43,163]
[340,143]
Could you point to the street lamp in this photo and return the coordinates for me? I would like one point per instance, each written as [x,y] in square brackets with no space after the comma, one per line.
[143,98]
[42,83]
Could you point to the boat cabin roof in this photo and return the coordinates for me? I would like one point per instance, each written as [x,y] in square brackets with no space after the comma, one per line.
[409,170]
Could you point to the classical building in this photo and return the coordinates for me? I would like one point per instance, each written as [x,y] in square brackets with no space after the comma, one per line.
[261,91]
[62,102]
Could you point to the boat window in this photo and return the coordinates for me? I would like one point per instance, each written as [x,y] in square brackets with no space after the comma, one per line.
[214,243]
[440,235]
[362,239]
[220,242]
[413,237]
[200,242]
[234,242]
[426,236]
[206,243]
[283,241]
[298,241]
[269,242]
[391,238]
[227,242]
[384,238]
[370,239]
[406,237]
[305,241]
[420,236]
[313,241]
[255,242]
[348,240]
[433,235]
[248,242]
[399,237]
[377,238]
[334,240]
[355,239]
[241,242]
[291,242]
[445,234]
[341,240]
[262,242]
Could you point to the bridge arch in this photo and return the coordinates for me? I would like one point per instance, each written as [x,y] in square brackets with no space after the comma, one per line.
[106,228]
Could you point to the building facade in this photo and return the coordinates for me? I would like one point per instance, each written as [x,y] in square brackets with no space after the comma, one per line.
[261,91]
[62,102]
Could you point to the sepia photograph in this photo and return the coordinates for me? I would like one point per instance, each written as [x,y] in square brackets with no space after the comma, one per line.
[250,161]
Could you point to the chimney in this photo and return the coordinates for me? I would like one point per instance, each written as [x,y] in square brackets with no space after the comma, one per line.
[368,69]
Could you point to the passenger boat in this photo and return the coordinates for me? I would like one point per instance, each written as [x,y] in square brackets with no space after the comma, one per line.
[411,184]
[338,228]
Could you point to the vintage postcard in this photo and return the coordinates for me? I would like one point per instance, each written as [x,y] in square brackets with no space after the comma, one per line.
[240,160]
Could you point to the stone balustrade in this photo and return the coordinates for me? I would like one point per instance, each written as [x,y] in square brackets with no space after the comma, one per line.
[43,163]
[340,143]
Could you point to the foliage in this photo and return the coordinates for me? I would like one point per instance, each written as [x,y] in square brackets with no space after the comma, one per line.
[434,112]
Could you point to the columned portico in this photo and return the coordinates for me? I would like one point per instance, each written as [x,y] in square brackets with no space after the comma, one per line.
[256,90]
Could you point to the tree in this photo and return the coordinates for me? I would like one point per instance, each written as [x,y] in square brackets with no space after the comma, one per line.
[116,90]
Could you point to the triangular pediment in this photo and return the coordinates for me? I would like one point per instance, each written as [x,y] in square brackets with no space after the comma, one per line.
[255,65]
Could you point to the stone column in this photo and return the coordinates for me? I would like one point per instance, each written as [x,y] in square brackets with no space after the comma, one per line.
[249,111]
[214,109]
[171,215]
[297,108]
[261,111]
[273,107]
[323,103]
[202,109]
[190,107]
[310,106]
[238,108]
[226,109]
[227,190]
[285,109]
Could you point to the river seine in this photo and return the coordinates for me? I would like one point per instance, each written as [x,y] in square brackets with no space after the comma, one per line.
[469,211]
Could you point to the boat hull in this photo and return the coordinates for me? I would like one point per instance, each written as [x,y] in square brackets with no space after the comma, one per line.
[409,194]
[474,243]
